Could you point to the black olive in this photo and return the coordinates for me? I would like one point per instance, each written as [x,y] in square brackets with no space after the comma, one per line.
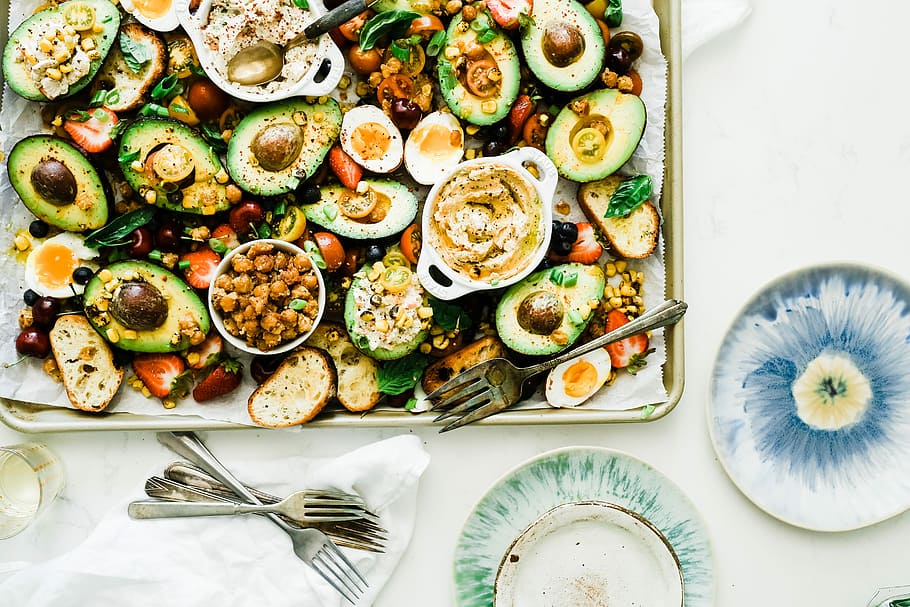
[545,264]
[500,132]
[309,194]
[494,148]
[38,228]
[556,228]
[30,297]
[82,275]
[175,198]
[374,253]
[568,231]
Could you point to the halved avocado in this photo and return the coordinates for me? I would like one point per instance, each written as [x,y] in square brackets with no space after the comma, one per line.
[387,207]
[277,146]
[141,307]
[548,310]
[174,162]
[497,95]
[58,183]
[22,46]
[355,307]
[595,134]
[563,45]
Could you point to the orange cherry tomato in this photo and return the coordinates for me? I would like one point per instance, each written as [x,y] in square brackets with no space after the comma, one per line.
[425,26]
[364,62]
[604,30]
[535,131]
[478,78]
[636,82]
[394,87]
[410,243]
[206,99]
[351,29]
[331,249]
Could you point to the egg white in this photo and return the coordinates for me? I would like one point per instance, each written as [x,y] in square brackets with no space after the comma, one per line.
[76,246]
[166,23]
[365,114]
[555,385]
[428,170]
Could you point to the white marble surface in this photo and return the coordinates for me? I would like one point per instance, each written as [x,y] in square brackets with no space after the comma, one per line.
[796,142]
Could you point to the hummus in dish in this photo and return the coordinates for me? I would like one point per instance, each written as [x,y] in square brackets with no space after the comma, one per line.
[486,222]
[233,25]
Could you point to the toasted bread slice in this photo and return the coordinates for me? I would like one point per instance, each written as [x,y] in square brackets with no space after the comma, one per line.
[86,363]
[115,74]
[449,366]
[633,236]
[357,386]
[296,392]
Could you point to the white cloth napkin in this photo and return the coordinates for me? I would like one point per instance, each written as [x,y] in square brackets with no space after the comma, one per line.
[230,561]
[703,20]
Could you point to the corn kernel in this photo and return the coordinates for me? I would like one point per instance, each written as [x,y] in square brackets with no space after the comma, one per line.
[193,358]
[318,116]
[87,44]
[226,135]
[559,337]
[105,275]
[533,170]
[45,45]
[626,291]
[169,403]
[299,118]
[621,266]
[440,342]
[610,269]
[130,334]
[221,176]
[382,325]
[69,29]
[615,302]
[470,154]
[488,107]
[472,129]
[494,75]
[94,55]
[97,28]
[345,82]
[22,243]
[146,392]
[66,68]
[425,348]
[452,52]
[32,60]
[137,166]
[53,73]
[150,196]
[113,335]
[424,312]
[61,56]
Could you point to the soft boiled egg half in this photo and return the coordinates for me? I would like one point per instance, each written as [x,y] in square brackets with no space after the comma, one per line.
[49,267]
[434,146]
[372,139]
[575,381]
[158,15]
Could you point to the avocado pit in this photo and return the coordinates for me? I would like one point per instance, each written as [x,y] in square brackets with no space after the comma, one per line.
[139,306]
[277,146]
[563,44]
[54,182]
[540,313]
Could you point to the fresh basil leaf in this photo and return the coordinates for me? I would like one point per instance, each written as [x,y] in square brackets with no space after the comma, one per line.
[449,316]
[398,376]
[135,54]
[212,136]
[114,232]
[630,195]
[390,24]
[302,4]
[613,13]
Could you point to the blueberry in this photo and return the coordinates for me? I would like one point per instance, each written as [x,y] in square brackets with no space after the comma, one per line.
[309,194]
[82,275]
[38,228]
[374,253]
[568,232]
[500,133]
[561,247]
[556,228]
[494,148]
[30,297]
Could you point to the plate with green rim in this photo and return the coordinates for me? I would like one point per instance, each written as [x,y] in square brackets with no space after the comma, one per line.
[578,474]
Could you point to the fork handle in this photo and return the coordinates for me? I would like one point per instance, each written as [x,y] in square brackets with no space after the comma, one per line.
[158,509]
[667,313]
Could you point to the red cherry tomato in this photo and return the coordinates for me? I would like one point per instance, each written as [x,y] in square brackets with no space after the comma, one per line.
[207,100]
[351,29]
[425,26]
[331,249]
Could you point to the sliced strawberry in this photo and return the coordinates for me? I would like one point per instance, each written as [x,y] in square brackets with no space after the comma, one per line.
[92,130]
[201,271]
[629,353]
[227,235]
[224,378]
[205,353]
[344,167]
[510,14]
[159,372]
[585,249]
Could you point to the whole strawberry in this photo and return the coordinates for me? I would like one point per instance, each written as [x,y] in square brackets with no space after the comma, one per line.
[223,378]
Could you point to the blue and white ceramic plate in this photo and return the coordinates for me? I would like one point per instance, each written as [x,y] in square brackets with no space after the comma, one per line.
[810,398]
[570,475]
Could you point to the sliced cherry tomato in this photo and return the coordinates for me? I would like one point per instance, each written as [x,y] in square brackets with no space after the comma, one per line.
[395,279]
[394,87]
[364,62]
[291,226]
[507,13]
[394,259]
[589,144]
[331,249]
[535,130]
[357,206]
[410,243]
[417,59]
[425,26]
[478,78]
[351,29]
[636,82]
[521,111]
[79,15]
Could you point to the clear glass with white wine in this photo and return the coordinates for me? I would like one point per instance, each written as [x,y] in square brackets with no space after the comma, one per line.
[31,477]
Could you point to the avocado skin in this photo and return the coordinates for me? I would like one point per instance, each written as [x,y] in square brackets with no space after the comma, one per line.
[15,70]
[318,137]
[91,191]
[204,195]
[460,100]
[589,287]
[582,71]
[627,116]
[182,300]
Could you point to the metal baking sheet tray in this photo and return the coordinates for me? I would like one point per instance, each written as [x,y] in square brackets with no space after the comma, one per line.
[33,418]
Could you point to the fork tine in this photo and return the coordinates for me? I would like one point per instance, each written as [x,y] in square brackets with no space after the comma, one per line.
[333,556]
[338,553]
[330,576]
[475,415]
[477,400]
[465,377]
[458,394]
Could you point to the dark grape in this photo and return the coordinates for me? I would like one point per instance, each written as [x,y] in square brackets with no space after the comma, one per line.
[167,236]
[560,246]
[494,148]
[309,194]
[140,244]
[262,367]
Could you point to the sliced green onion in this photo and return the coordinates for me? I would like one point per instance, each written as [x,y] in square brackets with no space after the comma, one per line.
[112,97]
[415,40]
[646,411]
[297,304]
[98,98]
[217,245]
[184,265]
[402,53]
[330,212]
[264,231]
[480,23]
[153,109]
[486,36]
[436,43]
[179,109]
[100,115]
[164,87]
[155,255]
[310,247]
[556,276]
[574,317]
[78,116]
[128,157]
[280,208]
[570,280]
[107,19]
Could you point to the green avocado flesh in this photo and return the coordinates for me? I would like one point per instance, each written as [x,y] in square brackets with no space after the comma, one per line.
[353,310]
[563,45]
[23,43]
[548,310]
[57,183]
[277,146]
[163,148]
[394,210]
[453,74]
[619,117]
[147,300]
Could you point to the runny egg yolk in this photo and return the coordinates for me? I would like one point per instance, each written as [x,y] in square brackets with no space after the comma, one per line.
[153,9]
[436,142]
[371,140]
[54,265]
[580,379]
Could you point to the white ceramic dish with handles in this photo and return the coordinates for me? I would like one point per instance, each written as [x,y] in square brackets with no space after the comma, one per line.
[445,282]
[327,51]
[216,316]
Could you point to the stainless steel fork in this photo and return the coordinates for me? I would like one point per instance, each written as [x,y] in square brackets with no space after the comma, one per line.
[494,385]
[310,545]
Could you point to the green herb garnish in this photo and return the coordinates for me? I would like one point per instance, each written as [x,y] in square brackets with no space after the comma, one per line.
[613,13]
[630,195]
[135,54]
[401,52]
[302,4]
[114,233]
[398,376]
[165,87]
[449,317]
[297,304]
[387,24]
